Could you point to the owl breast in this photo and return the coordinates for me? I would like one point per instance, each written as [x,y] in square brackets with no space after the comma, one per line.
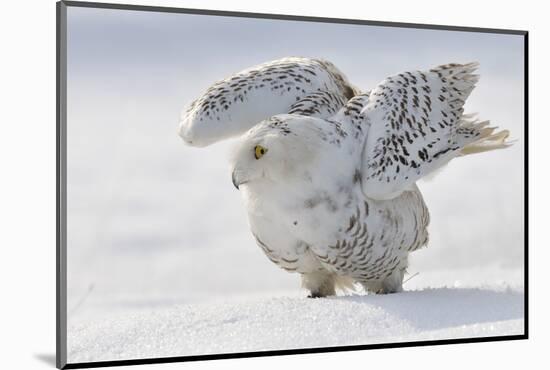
[373,237]
[345,233]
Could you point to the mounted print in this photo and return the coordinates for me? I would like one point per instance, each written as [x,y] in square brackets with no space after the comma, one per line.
[236,185]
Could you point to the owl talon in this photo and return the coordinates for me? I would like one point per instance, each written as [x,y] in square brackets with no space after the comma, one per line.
[315,295]
[320,284]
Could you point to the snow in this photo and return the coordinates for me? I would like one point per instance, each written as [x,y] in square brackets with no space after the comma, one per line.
[280,323]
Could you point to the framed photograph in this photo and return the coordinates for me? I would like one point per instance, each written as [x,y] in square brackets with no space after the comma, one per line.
[236,185]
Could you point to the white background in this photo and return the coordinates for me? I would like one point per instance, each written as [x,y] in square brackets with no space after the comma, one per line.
[28,190]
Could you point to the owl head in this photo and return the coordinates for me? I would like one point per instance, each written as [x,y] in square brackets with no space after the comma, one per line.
[287,149]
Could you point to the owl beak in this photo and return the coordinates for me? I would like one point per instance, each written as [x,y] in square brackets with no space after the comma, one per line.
[235,181]
[238,178]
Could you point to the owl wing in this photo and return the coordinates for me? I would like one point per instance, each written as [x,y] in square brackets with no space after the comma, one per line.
[320,104]
[232,106]
[414,124]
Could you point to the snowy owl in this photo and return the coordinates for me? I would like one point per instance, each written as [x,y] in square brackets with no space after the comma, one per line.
[333,196]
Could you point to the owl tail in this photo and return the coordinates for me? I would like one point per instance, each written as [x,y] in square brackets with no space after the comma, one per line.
[487,140]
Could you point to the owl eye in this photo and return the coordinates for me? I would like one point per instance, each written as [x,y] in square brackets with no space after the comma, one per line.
[259,151]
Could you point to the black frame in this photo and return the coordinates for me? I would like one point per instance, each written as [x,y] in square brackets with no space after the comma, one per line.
[61,194]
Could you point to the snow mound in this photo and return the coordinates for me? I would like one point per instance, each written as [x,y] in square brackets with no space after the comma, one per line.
[294,322]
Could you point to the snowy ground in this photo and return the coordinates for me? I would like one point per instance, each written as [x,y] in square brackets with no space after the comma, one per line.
[119,327]
[296,322]
[160,258]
